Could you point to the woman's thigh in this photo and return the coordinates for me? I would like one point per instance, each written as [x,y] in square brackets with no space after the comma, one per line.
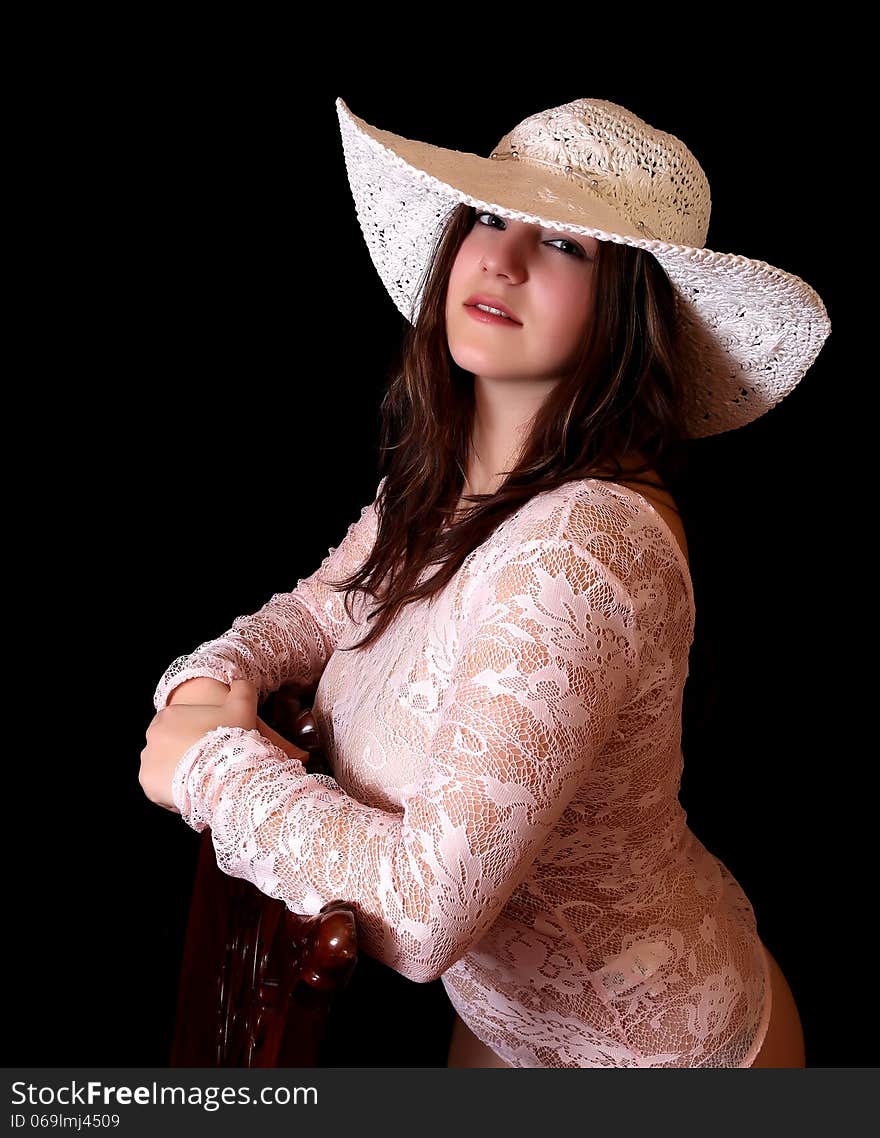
[465,1050]
[783,1044]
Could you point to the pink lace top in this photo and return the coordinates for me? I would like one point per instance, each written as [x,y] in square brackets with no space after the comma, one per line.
[503,811]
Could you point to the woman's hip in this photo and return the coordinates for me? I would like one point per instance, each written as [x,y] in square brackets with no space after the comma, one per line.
[783,1044]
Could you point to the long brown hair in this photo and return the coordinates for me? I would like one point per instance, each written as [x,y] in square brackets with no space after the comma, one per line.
[621,397]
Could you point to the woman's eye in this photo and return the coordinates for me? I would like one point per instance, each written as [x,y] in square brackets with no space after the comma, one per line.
[575,249]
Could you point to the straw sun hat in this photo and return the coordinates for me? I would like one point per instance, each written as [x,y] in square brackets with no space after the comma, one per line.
[750,331]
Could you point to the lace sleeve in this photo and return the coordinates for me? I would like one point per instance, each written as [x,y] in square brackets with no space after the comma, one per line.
[292,636]
[548,660]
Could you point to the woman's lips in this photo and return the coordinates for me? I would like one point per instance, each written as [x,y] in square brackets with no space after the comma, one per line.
[489,317]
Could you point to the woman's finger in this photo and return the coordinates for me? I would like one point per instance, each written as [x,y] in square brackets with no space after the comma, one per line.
[279,741]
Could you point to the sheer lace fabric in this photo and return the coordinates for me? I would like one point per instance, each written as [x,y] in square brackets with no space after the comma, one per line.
[503,811]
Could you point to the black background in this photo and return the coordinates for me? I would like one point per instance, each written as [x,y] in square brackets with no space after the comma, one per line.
[202,382]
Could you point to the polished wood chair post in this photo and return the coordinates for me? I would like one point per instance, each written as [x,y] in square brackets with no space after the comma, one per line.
[256,980]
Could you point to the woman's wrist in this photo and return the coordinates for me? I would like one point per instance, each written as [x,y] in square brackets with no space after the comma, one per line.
[199,689]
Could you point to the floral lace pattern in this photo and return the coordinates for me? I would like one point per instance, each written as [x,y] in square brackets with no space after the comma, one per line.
[503,812]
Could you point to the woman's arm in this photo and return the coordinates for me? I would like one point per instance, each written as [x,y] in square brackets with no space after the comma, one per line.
[549,658]
[201,690]
[291,637]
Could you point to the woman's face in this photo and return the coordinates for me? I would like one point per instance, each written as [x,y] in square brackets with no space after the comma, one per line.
[543,276]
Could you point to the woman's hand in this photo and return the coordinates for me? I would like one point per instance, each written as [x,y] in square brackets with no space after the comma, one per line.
[203,690]
[173,730]
[286,746]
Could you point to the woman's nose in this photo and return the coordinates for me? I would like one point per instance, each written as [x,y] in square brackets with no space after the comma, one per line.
[508,257]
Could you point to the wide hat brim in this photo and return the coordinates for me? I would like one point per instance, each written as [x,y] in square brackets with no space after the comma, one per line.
[749,331]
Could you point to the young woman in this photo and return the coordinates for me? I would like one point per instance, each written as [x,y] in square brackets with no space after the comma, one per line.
[500,643]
